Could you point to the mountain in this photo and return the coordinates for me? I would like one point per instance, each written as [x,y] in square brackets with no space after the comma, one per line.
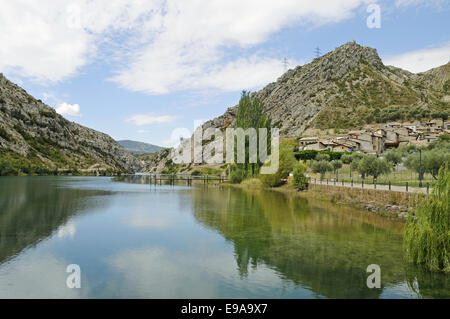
[34,139]
[140,147]
[348,88]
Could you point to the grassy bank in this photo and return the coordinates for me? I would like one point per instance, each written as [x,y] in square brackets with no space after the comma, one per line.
[385,203]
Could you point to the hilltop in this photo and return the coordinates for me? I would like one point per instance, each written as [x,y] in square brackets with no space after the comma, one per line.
[347,88]
[139,147]
[34,139]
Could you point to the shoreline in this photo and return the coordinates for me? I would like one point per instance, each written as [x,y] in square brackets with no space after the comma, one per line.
[388,204]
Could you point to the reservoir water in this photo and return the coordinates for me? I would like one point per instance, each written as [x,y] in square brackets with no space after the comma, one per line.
[135,240]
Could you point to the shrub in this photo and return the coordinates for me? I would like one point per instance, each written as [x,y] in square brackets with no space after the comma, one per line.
[347,158]
[237,176]
[286,164]
[300,180]
[427,234]
[323,157]
[5,134]
[196,173]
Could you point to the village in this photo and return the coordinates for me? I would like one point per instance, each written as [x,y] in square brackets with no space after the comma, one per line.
[377,140]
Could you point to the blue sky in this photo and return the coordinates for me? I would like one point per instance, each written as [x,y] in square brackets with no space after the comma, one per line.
[146,70]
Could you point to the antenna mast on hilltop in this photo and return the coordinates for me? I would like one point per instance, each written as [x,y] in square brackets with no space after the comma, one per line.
[317,52]
[285,64]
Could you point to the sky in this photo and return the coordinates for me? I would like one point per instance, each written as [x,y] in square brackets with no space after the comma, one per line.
[146,70]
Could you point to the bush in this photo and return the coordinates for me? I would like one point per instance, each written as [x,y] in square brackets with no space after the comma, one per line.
[427,234]
[196,173]
[306,155]
[237,176]
[323,157]
[311,154]
[300,180]
[5,134]
[347,158]
[286,164]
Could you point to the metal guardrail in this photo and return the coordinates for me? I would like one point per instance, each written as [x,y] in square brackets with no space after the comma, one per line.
[389,187]
[188,178]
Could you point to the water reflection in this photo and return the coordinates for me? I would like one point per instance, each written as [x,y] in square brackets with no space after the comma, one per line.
[133,240]
[313,244]
[31,209]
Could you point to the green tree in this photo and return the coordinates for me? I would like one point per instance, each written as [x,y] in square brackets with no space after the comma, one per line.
[321,167]
[394,157]
[250,114]
[432,161]
[237,175]
[347,158]
[300,180]
[337,164]
[426,238]
[370,165]
[286,164]
[323,157]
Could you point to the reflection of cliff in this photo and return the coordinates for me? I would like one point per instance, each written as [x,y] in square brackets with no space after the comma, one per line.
[315,247]
[31,210]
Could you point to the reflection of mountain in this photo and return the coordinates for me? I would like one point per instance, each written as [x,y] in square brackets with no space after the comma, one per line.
[314,247]
[31,210]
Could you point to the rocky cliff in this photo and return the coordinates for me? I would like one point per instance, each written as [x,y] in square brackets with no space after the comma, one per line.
[35,139]
[347,88]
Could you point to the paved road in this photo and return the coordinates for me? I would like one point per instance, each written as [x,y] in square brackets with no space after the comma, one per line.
[401,189]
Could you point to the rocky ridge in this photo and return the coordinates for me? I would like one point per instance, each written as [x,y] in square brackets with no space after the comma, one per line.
[33,134]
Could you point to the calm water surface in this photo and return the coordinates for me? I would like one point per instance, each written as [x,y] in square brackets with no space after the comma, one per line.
[133,240]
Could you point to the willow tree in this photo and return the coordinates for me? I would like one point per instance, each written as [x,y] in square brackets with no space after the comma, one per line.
[427,234]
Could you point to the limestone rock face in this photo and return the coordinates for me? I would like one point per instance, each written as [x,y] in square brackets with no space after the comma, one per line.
[346,89]
[338,90]
[31,130]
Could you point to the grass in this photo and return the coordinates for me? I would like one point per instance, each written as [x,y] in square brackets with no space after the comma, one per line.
[397,178]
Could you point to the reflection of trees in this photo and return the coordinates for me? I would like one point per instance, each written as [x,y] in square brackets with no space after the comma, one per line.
[318,245]
[31,210]
[426,283]
[134,179]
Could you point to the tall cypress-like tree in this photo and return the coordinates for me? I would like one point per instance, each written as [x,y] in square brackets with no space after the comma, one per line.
[251,114]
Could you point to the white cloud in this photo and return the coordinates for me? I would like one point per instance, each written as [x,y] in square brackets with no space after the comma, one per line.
[50,40]
[159,45]
[421,60]
[68,109]
[189,51]
[146,221]
[405,3]
[147,119]
[67,230]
